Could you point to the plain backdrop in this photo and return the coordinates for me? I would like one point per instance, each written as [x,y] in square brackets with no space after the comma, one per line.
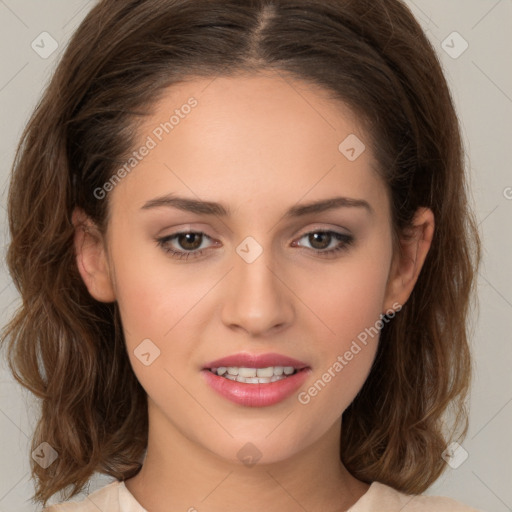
[473,39]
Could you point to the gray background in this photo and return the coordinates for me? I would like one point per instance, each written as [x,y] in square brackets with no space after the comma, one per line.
[481,82]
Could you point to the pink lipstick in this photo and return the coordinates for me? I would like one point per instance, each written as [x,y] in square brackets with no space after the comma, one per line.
[255,380]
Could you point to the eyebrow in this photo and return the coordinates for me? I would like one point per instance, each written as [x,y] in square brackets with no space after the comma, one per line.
[211,208]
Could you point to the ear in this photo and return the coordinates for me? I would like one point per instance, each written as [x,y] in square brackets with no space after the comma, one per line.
[91,257]
[408,260]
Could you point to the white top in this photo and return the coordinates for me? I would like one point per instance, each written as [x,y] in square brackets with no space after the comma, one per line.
[115,497]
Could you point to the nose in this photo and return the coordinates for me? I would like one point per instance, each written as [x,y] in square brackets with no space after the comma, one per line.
[256,298]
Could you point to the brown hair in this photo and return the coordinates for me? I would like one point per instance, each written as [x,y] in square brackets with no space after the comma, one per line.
[68,349]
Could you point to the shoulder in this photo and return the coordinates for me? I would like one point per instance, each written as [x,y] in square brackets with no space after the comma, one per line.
[383,498]
[105,498]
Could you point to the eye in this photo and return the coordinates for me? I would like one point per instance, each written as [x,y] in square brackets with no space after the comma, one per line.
[327,243]
[189,244]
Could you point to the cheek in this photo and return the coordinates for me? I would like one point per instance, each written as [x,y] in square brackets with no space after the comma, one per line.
[158,333]
[346,297]
[164,303]
[153,293]
[349,307]
[347,303]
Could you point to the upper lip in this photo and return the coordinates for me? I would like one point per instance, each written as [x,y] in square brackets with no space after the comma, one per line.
[247,360]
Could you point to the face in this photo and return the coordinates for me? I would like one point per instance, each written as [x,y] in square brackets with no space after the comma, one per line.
[259,273]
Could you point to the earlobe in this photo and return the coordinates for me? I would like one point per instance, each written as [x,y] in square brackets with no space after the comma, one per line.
[408,261]
[91,258]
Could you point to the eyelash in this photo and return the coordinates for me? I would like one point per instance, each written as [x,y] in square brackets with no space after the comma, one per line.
[346,240]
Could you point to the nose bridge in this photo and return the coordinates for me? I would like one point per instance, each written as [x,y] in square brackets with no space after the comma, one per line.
[256,299]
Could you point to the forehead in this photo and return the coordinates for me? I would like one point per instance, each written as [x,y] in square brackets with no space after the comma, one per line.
[268,138]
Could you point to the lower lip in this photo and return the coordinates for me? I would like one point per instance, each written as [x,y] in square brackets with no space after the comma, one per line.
[256,395]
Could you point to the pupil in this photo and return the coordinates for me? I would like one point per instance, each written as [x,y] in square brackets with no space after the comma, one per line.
[314,238]
[185,241]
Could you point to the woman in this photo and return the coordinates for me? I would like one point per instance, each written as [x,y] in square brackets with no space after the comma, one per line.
[241,234]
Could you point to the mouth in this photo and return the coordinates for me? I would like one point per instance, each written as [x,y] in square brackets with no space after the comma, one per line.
[248,375]
[256,380]
[255,368]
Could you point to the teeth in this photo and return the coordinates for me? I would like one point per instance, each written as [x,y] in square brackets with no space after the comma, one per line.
[253,380]
[254,375]
[247,372]
[265,372]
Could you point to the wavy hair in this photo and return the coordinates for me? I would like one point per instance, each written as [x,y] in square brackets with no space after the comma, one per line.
[68,349]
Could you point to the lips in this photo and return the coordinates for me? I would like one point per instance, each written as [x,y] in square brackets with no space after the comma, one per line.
[256,395]
[289,375]
[247,360]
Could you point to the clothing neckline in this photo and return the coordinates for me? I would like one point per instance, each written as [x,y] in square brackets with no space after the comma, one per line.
[127,499]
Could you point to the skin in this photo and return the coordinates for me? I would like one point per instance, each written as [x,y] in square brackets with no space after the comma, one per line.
[259,145]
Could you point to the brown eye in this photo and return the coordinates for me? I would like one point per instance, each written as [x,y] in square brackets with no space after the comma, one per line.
[190,241]
[320,240]
[184,245]
[326,243]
